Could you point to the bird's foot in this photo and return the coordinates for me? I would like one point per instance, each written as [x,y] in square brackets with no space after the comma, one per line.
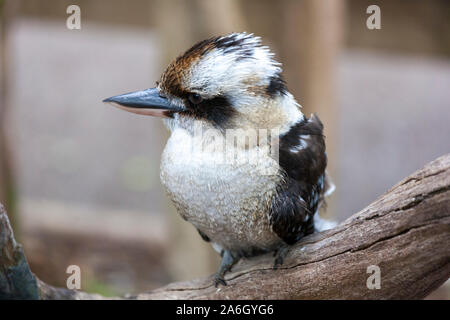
[279,255]
[228,260]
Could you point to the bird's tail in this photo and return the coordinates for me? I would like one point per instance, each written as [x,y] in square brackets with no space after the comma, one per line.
[323,224]
[319,223]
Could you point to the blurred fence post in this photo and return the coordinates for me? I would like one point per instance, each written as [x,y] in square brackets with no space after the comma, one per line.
[312,38]
[7,185]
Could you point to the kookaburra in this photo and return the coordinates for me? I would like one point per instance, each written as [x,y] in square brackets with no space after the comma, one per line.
[244,198]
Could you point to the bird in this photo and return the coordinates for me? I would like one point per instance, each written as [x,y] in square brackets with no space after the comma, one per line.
[258,196]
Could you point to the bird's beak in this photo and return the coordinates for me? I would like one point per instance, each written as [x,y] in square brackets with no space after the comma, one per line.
[146,102]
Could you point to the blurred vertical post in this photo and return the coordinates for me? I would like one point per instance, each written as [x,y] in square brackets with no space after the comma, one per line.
[313,36]
[7,186]
[180,24]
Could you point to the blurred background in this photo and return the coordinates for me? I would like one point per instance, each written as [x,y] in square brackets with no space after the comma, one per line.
[80,179]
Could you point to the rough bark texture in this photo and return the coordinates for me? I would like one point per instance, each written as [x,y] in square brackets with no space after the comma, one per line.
[16,279]
[406,232]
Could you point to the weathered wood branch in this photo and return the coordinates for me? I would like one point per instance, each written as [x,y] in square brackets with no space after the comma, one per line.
[406,233]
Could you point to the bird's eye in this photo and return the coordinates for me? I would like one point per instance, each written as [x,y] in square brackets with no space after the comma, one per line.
[195,98]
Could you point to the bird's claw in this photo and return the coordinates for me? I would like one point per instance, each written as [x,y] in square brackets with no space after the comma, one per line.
[278,262]
[219,280]
[279,255]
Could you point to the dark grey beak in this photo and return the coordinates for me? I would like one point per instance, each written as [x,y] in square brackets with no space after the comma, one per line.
[146,102]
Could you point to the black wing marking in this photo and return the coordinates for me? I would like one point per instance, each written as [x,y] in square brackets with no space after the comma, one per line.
[303,158]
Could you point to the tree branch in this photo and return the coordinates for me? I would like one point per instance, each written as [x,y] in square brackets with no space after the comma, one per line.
[406,233]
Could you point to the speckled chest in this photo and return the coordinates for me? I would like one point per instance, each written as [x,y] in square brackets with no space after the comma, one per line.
[228,201]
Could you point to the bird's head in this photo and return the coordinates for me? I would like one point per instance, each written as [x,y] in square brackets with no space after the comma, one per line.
[228,82]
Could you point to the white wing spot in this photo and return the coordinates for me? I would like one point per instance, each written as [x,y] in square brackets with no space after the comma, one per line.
[302,144]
